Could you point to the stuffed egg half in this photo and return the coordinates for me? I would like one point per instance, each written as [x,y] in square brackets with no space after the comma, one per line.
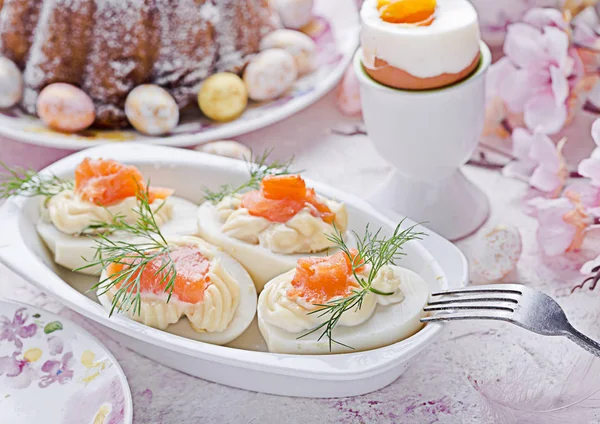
[104,189]
[212,290]
[269,229]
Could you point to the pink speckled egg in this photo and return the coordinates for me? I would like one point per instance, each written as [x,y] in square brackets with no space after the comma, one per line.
[65,108]
[348,94]
[270,74]
[495,254]
[11,83]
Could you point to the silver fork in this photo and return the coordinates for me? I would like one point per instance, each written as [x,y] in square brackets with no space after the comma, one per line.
[514,303]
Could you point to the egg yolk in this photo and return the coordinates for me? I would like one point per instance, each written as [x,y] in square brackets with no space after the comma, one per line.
[418,12]
[281,197]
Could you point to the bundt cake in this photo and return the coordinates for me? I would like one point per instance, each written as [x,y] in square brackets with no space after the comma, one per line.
[108,47]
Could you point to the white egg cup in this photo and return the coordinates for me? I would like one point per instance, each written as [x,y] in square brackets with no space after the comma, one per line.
[427,136]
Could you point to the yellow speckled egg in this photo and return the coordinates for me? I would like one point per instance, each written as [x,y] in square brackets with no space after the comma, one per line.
[66,108]
[223,97]
[270,74]
[151,110]
[11,83]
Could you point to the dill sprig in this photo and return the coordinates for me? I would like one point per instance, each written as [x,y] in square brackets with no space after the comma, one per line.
[27,182]
[258,169]
[374,251]
[148,245]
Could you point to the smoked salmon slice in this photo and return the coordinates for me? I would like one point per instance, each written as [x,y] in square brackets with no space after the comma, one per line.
[281,197]
[191,281]
[319,279]
[108,182]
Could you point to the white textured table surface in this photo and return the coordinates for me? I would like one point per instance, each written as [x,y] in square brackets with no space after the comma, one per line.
[439,386]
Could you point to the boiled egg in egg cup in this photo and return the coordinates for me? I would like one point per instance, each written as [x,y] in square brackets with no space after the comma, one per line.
[421,69]
[104,189]
[297,310]
[267,230]
[211,289]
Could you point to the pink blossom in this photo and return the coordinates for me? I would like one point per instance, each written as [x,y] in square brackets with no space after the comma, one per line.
[57,371]
[15,330]
[539,71]
[562,224]
[589,266]
[538,160]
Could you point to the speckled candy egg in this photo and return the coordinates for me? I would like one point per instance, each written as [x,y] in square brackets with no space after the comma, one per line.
[11,83]
[348,94]
[65,108]
[151,110]
[223,97]
[495,253]
[298,44]
[270,74]
[228,148]
[294,13]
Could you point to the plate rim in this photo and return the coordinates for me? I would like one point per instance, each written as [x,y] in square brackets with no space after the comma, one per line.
[322,367]
[79,329]
[229,130]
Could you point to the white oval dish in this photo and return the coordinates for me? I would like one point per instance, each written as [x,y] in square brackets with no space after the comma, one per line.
[53,371]
[335,49]
[243,363]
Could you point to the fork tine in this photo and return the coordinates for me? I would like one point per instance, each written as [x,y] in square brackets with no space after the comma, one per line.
[476,298]
[491,288]
[489,314]
[468,307]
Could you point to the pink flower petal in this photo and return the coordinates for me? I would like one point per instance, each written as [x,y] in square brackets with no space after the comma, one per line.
[560,86]
[587,193]
[596,132]
[545,179]
[518,169]
[522,140]
[516,88]
[543,152]
[554,235]
[348,94]
[524,45]
[543,114]
[590,168]
[556,45]
[587,267]
[495,76]
[542,17]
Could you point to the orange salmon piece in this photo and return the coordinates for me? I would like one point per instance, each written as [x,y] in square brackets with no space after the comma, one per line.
[192,274]
[281,197]
[108,182]
[317,279]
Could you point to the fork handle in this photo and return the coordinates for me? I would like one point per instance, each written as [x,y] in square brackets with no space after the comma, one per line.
[584,341]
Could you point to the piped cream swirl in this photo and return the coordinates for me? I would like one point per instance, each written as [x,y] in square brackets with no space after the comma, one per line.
[303,233]
[72,215]
[213,314]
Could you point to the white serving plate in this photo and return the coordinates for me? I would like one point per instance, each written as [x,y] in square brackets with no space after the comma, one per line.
[244,363]
[56,384]
[336,49]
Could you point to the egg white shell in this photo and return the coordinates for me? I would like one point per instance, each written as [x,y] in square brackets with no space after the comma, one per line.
[72,251]
[388,324]
[244,313]
[495,254]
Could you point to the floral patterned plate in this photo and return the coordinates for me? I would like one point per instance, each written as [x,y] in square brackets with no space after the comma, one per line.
[53,371]
[335,31]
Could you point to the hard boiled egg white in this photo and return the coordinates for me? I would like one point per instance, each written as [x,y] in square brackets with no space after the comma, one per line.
[72,251]
[388,324]
[244,313]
